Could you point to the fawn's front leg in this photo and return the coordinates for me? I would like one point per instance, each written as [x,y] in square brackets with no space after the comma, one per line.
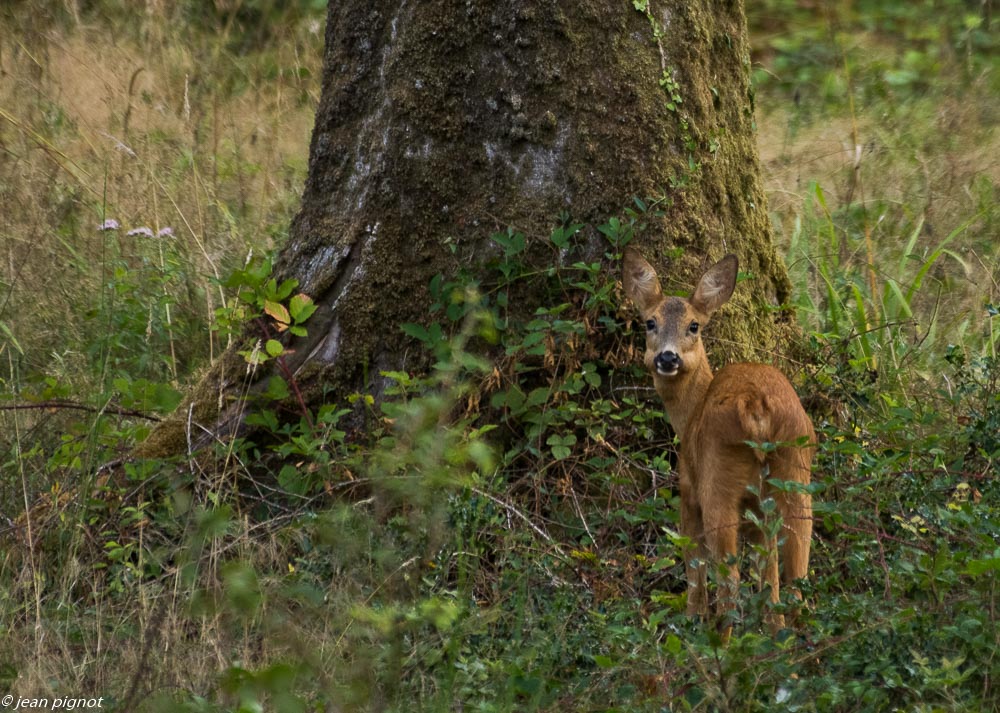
[695,556]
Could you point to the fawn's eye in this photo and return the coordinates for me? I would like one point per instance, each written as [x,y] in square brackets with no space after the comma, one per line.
[693,328]
[650,325]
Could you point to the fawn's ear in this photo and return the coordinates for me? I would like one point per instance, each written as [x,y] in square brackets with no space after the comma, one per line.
[640,281]
[716,286]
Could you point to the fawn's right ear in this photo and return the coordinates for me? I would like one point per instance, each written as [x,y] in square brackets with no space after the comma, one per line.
[640,281]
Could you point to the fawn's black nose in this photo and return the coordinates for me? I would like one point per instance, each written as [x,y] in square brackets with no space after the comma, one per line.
[667,362]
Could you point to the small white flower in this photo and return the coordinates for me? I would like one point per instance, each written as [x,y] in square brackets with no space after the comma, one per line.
[119,145]
[109,224]
[167,232]
[140,231]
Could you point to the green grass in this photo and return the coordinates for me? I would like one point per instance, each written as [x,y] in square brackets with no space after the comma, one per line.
[883,173]
[496,539]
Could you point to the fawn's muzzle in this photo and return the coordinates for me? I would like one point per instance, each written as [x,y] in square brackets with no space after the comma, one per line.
[667,363]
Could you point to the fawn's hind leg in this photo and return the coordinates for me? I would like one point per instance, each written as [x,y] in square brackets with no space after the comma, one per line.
[721,537]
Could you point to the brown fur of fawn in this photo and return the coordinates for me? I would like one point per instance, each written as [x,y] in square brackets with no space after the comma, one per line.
[721,476]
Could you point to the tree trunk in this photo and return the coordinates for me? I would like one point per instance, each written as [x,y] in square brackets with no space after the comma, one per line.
[442,122]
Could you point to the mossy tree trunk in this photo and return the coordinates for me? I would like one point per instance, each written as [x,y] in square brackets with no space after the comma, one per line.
[442,122]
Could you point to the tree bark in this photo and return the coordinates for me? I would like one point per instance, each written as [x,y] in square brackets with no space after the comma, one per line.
[442,122]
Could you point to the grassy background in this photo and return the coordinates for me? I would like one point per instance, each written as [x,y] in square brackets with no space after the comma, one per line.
[519,557]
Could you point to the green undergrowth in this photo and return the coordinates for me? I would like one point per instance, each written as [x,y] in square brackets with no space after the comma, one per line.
[501,536]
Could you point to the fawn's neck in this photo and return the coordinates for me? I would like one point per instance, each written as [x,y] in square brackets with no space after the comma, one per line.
[683,394]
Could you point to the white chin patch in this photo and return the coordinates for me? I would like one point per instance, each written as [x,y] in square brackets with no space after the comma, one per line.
[672,372]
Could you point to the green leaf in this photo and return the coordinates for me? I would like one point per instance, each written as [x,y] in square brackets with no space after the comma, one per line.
[561,445]
[291,480]
[511,241]
[400,377]
[285,289]
[559,238]
[861,325]
[899,307]
[277,311]
[301,307]
[277,389]
[274,348]
[976,568]
[537,397]
[938,252]
[166,398]
[10,338]
[256,274]
[513,399]
[417,331]
[147,395]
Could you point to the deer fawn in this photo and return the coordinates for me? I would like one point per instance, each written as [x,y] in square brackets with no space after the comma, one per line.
[721,475]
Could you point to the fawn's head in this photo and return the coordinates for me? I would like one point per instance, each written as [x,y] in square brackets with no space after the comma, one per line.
[674,324]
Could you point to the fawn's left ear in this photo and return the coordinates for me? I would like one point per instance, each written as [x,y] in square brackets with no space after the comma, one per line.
[640,281]
[716,286]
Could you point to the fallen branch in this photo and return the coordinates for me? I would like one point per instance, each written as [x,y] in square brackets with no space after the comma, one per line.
[73,405]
